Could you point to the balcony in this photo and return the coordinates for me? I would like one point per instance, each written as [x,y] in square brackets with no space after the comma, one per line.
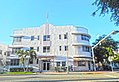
[11,46]
[81,33]
[85,54]
[80,44]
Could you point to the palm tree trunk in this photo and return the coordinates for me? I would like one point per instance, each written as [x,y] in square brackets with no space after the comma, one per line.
[27,65]
[23,65]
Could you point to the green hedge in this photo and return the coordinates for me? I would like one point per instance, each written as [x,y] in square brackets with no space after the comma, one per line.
[60,69]
[20,69]
[19,73]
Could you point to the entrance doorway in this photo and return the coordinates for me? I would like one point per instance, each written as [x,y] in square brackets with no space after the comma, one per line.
[89,67]
[46,66]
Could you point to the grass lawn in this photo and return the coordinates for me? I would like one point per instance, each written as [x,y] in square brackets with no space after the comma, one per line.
[13,73]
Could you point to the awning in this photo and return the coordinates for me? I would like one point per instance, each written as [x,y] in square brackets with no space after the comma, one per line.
[45,56]
[82,59]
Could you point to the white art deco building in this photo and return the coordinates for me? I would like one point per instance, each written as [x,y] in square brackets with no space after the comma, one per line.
[54,46]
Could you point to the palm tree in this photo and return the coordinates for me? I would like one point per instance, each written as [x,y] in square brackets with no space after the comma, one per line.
[22,55]
[32,55]
[26,54]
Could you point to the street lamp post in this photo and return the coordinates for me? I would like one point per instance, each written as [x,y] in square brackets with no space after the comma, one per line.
[67,59]
[113,32]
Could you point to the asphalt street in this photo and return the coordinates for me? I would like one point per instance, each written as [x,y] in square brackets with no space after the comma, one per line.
[62,77]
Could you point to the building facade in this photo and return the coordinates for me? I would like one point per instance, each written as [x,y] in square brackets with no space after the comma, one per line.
[56,46]
[4,52]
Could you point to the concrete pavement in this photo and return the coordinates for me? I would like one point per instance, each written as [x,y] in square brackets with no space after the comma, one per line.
[88,72]
[63,77]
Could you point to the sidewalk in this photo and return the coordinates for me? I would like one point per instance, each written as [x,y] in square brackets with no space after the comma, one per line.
[91,72]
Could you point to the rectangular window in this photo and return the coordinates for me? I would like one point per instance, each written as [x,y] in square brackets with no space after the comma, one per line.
[32,38]
[14,50]
[81,63]
[31,61]
[60,36]
[46,49]
[65,36]
[14,62]
[0,51]
[8,53]
[17,39]
[46,38]
[11,63]
[58,64]
[38,37]
[86,49]
[84,37]
[17,61]
[63,63]
[37,49]
[5,53]
[37,61]
[31,48]
[60,48]
[66,48]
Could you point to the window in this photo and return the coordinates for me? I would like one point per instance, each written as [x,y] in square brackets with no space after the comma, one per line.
[17,39]
[8,53]
[81,63]
[85,48]
[14,50]
[60,36]
[14,62]
[31,48]
[37,49]
[0,51]
[58,63]
[46,38]
[38,37]
[37,61]
[30,61]
[46,49]
[32,38]
[60,48]
[65,36]
[63,63]
[5,53]
[84,37]
[65,48]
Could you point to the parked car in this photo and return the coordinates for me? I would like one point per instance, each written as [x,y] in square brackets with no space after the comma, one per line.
[37,71]
[109,68]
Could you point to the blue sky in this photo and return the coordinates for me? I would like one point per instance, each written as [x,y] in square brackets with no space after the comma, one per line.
[17,14]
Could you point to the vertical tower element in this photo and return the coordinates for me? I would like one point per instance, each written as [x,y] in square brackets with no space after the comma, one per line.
[46,25]
[46,17]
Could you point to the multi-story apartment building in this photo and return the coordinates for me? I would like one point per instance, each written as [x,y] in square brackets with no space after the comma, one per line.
[4,52]
[54,46]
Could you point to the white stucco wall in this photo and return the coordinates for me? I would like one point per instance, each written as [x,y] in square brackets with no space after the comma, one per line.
[74,41]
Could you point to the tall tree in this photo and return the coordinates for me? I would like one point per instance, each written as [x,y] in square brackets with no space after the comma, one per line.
[105,49]
[108,6]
